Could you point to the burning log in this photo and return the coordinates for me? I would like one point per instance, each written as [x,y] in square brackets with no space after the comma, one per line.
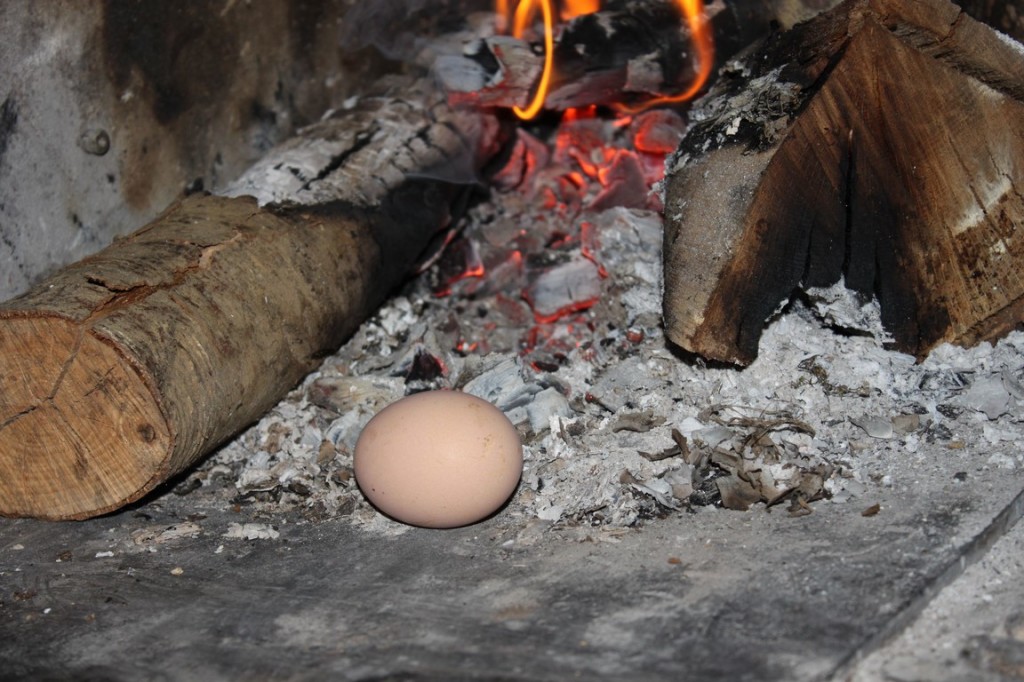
[632,49]
[123,369]
[875,148]
[627,54]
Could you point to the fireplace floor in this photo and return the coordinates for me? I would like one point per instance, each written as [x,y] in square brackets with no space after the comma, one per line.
[716,595]
[210,581]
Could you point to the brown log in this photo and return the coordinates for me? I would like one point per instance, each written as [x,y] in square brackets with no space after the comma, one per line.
[123,369]
[877,145]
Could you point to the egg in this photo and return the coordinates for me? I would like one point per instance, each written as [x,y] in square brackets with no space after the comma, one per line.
[438,459]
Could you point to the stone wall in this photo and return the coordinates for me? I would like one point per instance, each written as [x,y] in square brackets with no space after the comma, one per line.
[110,110]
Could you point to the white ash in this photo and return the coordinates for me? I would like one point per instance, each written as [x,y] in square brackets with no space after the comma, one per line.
[847,311]
[252,531]
[762,103]
[1010,41]
[150,538]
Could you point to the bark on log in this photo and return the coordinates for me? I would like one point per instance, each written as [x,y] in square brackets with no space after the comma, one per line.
[877,145]
[123,369]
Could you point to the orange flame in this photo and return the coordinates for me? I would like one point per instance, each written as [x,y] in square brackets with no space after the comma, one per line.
[693,12]
[575,8]
[704,44]
[501,10]
[524,14]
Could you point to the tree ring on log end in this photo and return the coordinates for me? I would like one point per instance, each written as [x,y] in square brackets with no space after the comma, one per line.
[78,422]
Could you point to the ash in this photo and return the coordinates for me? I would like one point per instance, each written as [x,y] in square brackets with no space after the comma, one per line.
[547,303]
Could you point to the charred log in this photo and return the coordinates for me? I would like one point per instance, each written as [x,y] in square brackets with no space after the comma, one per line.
[632,50]
[875,147]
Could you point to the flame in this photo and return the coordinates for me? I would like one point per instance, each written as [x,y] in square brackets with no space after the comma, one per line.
[524,14]
[525,11]
[704,44]
[576,8]
[501,10]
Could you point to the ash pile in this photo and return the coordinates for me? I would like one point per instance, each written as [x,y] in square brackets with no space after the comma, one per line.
[546,301]
[547,304]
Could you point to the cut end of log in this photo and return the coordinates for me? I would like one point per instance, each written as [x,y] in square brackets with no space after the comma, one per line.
[78,423]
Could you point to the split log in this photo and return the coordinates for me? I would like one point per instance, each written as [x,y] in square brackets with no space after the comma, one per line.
[877,146]
[123,369]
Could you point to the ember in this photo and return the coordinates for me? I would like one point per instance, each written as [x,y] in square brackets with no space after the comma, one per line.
[545,239]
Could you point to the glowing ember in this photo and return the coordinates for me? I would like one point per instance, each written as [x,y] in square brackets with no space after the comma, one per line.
[459,261]
[524,15]
[658,132]
[588,246]
[579,113]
